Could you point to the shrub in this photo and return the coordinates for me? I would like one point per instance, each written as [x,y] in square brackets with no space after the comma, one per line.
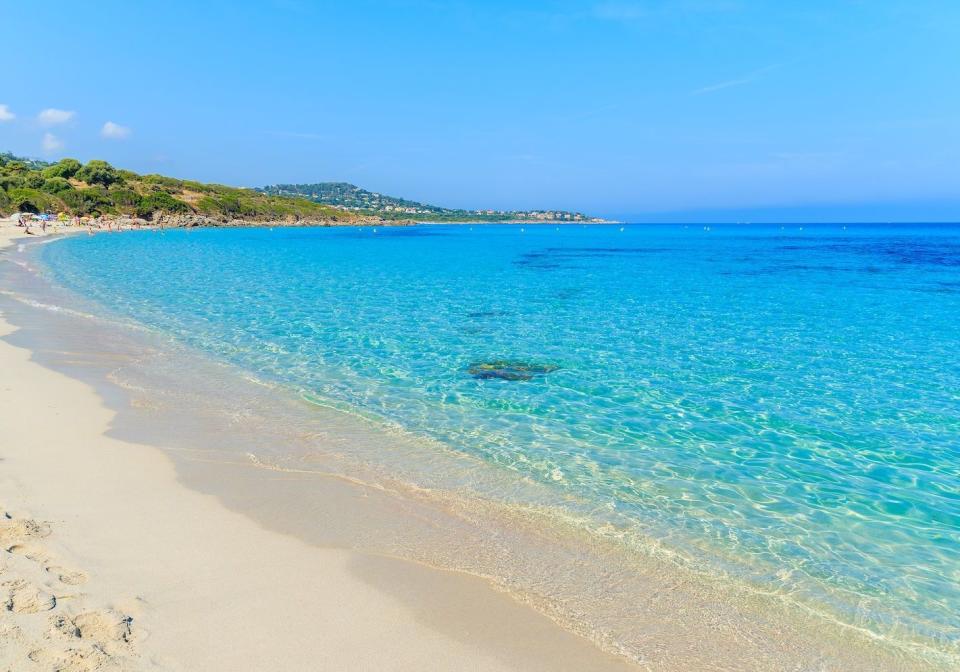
[65,168]
[85,201]
[163,181]
[33,180]
[9,182]
[124,198]
[99,172]
[55,185]
[161,201]
[32,200]
[225,205]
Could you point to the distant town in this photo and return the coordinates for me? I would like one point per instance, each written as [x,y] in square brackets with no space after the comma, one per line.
[355,199]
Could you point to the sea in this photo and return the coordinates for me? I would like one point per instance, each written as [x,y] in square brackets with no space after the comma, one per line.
[770,408]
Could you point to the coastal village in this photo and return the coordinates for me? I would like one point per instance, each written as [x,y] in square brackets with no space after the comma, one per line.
[352,198]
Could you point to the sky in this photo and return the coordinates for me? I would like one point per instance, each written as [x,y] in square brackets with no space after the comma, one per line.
[643,110]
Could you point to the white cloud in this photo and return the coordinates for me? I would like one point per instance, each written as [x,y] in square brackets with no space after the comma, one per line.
[6,114]
[115,131]
[51,143]
[52,116]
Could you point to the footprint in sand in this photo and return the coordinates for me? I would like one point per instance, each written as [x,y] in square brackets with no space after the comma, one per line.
[22,597]
[102,628]
[70,577]
[72,660]
[89,641]
[29,551]
[14,530]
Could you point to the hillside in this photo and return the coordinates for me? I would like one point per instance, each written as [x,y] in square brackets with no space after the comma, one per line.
[97,188]
[352,198]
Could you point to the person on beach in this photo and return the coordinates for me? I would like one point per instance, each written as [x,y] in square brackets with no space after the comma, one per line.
[25,223]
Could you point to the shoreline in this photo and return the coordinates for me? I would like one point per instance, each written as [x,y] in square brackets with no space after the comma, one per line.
[169,221]
[745,635]
[205,587]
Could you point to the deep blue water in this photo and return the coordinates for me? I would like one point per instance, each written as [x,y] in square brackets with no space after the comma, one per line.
[784,402]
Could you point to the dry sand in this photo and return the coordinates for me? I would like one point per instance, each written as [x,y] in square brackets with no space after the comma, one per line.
[107,562]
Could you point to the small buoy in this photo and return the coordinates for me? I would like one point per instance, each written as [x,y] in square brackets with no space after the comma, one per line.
[522,230]
[621,228]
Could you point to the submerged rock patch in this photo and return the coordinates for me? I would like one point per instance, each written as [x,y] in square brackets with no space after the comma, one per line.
[508,369]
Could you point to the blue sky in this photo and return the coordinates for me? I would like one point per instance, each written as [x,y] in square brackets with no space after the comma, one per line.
[648,110]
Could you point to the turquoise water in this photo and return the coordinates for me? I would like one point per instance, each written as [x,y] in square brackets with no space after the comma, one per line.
[781,403]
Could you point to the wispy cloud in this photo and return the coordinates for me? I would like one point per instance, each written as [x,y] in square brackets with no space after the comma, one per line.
[6,114]
[53,117]
[51,143]
[113,131]
[739,81]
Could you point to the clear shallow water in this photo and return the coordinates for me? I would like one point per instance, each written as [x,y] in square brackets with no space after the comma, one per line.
[780,404]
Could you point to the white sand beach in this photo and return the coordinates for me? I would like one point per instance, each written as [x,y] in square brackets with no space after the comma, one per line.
[108,562]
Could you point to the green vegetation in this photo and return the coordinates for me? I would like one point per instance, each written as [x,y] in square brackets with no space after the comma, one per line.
[350,197]
[98,172]
[97,188]
[29,164]
[66,168]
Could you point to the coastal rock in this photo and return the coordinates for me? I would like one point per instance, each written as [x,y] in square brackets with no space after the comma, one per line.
[507,369]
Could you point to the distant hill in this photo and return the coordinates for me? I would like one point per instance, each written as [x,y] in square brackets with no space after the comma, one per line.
[97,188]
[32,164]
[352,198]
